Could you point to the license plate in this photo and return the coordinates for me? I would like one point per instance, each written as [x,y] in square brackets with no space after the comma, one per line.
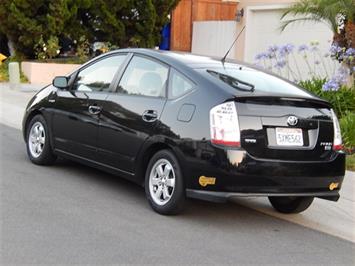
[289,136]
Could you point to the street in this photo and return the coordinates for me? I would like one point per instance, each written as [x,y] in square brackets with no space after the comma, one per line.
[73,214]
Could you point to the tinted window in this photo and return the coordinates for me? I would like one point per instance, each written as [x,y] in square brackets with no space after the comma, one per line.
[98,76]
[179,84]
[242,77]
[144,77]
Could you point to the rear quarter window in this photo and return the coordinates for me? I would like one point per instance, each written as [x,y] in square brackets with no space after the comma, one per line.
[179,84]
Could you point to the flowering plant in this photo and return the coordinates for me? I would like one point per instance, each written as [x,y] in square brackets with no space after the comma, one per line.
[285,61]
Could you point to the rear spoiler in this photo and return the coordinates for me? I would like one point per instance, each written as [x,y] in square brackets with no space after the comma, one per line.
[283,100]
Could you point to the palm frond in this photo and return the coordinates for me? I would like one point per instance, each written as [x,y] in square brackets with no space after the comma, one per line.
[320,10]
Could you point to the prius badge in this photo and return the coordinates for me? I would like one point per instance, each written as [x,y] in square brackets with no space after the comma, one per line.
[292,120]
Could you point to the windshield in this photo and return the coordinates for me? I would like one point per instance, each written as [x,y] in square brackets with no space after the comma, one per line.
[261,82]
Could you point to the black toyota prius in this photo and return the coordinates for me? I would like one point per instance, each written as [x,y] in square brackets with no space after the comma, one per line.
[183,125]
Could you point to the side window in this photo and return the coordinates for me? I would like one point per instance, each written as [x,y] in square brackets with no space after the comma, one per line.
[179,84]
[144,77]
[98,76]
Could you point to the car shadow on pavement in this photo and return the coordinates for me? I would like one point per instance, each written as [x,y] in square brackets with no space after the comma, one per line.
[194,209]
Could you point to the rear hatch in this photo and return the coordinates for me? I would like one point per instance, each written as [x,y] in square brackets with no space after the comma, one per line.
[285,128]
[278,120]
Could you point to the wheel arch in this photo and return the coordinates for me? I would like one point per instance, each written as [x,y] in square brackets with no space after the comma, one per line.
[28,119]
[147,153]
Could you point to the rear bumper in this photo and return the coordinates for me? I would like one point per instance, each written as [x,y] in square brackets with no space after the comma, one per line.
[237,174]
[215,196]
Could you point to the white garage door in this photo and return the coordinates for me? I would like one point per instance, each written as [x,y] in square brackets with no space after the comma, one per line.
[263,30]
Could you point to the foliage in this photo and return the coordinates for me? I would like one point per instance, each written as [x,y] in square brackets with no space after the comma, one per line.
[25,21]
[347,125]
[47,50]
[339,14]
[342,100]
[344,55]
[4,70]
[350,162]
[123,23]
[321,10]
[83,49]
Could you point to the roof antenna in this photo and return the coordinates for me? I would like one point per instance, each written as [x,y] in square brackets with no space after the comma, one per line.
[225,56]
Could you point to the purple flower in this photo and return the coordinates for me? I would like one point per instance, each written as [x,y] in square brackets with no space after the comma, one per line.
[303,48]
[317,62]
[280,64]
[350,52]
[331,85]
[339,79]
[335,50]
[286,49]
[273,49]
[261,56]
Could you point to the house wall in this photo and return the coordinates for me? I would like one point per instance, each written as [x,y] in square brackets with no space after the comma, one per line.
[244,4]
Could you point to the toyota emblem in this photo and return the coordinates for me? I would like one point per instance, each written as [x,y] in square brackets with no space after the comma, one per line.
[292,120]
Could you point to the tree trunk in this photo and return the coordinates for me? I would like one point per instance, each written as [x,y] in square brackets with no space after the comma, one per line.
[350,34]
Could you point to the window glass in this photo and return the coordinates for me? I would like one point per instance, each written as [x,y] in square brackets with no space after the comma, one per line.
[144,77]
[244,78]
[98,76]
[179,84]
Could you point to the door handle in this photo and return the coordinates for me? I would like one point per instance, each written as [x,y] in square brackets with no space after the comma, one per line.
[94,109]
[150,116]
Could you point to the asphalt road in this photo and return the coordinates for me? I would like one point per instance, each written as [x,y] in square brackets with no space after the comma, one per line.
[72,214]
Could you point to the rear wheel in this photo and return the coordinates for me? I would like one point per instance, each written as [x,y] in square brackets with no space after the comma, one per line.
[291,204]
[164,186]
[38,145]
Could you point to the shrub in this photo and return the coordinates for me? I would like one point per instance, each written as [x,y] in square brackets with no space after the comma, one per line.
[342,100]
[347,125]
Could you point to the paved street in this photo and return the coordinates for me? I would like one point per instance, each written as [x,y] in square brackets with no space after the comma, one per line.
[71,214]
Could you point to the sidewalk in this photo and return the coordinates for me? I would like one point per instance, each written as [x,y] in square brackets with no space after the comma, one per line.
[335,218]
[14,102]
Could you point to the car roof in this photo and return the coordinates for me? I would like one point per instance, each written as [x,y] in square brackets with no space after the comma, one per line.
[188,59]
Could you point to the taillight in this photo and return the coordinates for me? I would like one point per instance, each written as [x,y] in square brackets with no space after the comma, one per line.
[337,141]
[224,125]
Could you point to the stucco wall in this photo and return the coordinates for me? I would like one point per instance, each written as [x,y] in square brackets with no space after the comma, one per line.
[43,73]
[243,5]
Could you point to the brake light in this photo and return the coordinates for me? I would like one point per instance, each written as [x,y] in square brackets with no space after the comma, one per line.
[224,125]
[337,141]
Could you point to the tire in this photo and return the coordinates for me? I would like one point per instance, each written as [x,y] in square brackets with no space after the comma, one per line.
[165,188]
[38,145]
[291,204]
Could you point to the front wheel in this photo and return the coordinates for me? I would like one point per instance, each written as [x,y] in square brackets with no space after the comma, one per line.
[291,204]
[164,186]
[39,149]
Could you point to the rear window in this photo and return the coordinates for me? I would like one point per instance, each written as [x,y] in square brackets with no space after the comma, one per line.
[237,77]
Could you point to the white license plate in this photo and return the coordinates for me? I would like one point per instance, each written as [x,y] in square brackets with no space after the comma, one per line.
[289,136]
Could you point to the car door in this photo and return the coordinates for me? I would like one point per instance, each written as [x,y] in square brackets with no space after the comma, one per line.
[131,114]
[77,110]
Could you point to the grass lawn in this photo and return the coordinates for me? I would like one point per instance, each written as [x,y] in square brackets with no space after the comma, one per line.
[350,162]
[4,74]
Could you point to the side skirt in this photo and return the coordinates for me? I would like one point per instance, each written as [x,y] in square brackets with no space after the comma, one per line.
[104,167]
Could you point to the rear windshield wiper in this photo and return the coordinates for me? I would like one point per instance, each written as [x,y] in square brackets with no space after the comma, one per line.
[232,81]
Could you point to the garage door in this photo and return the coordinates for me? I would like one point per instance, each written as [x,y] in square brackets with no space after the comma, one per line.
[263,30]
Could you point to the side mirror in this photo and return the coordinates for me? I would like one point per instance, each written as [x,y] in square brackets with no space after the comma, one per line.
[60,82]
